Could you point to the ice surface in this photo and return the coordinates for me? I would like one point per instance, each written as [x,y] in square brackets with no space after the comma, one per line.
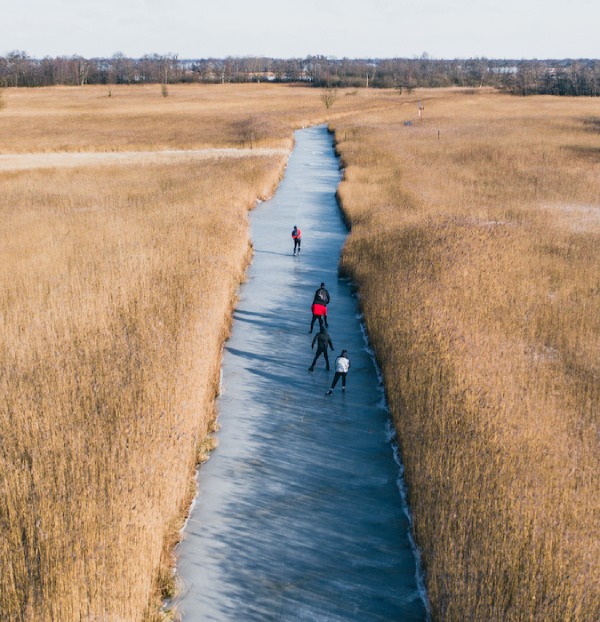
[298,515]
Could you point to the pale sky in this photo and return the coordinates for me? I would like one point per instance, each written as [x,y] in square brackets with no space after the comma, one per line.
[291,29]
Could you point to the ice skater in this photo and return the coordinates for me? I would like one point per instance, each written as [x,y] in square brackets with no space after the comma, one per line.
[342,366]
[319,307]
[322,339]
[297,237]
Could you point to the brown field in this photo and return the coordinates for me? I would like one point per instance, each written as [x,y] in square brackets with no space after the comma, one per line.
[476,247]
[117,280]
[475,243]
[139,118]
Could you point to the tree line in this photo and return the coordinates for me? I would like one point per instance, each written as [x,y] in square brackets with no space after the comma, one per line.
[579,77]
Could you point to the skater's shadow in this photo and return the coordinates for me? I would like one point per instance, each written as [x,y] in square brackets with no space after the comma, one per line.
[251,317]
[248,355]
[245,312]
[256,250]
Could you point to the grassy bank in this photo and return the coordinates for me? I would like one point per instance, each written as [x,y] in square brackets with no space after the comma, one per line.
[474,243]
[114,307]
[117,283]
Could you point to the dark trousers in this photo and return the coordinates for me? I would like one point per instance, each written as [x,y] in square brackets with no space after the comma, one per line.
[318,354]
[321,318]
[338,375]
[297,242]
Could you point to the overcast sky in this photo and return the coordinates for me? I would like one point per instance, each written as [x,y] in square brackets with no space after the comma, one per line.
[288,29]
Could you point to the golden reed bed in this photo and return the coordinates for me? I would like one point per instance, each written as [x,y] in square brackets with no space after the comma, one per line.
[474,237]
[475,246]
[119,262]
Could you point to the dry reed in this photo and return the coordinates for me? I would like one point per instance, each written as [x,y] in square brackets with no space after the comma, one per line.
[116,289]
[474,244]
[138,118]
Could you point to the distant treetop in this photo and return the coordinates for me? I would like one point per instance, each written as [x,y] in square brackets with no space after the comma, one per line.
[523,77]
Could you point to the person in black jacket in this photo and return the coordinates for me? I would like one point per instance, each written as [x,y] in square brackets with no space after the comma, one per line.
[322,339]
[319,307]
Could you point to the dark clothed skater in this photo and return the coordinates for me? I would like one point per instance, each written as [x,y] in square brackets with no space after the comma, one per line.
[297,237]
[319,307]
[322,340]
[342,366]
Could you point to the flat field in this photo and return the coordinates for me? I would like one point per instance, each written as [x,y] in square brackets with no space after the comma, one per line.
[120,256]
[475,245]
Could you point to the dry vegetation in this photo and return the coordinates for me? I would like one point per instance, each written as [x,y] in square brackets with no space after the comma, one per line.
[139,118]
[116,289]
[476,247]
[115,293]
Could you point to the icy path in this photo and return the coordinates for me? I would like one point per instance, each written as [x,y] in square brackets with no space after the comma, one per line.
[298,515]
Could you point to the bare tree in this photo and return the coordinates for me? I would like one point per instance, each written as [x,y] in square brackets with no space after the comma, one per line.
[250,130]
[83,69]
[121,69]
[328,96]
[371,75]
[17,64]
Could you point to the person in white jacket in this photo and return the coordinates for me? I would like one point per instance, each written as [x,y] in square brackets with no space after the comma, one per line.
[342,366]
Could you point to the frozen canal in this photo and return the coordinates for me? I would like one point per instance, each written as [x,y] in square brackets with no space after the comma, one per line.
[298,515]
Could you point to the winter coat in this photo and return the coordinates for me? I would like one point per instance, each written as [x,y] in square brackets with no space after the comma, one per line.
[322,340]
[342,364]
[321,297]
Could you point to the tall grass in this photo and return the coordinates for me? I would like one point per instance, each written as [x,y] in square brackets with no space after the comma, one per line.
[474,243]
[475,247]
[116,287]
[137,118]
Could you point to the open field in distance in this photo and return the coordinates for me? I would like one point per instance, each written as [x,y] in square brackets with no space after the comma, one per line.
[139,118]
[474,243]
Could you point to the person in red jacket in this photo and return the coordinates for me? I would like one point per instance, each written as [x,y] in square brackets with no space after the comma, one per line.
[297,237]
[319,307]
